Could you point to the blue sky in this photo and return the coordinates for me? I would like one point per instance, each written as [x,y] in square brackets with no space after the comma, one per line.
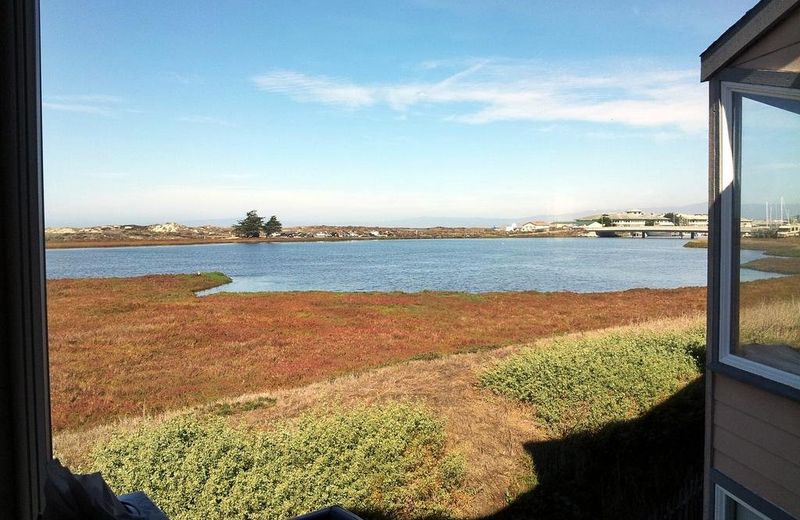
[372,111]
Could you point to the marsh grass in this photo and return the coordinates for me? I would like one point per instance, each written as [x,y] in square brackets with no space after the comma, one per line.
[491,431]
[775,322]
[121,346]
[388,458]
[775,264]
[216,277]
[227,408]
[624,411]
[581,384]
[786,247]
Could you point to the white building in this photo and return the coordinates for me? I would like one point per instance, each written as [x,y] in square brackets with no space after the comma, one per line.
[629,218]
[533,227]
[693,219]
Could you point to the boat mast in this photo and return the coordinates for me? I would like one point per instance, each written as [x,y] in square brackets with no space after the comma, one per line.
[766,211]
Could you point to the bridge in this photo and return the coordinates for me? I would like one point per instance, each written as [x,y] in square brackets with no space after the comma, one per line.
[609,231]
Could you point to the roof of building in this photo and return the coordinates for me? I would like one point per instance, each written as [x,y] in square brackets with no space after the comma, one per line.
[624,215]
[746,31]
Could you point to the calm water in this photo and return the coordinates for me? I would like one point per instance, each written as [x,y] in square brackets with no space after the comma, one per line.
[474,265]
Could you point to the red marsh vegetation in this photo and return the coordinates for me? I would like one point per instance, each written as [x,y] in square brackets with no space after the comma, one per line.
[141,345]
[127,346]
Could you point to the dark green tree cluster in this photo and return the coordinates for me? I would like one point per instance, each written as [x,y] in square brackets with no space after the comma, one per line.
[674,218]
[273,225]
[252,225]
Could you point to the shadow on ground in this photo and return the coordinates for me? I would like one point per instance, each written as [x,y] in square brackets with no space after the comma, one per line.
[647,468]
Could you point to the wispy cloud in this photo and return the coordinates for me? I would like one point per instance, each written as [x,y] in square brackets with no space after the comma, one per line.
[206,120]
[93,104]
[486,91]
[321,89]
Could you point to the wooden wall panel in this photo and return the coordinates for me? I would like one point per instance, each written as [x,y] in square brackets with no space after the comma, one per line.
[756,441]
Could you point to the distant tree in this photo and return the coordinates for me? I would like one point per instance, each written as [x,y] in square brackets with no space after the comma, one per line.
[765,232]
[673,217]
[605,220]
[273,225]
[250,226]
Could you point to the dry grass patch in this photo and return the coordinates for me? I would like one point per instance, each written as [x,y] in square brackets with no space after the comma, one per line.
[771,322]
[488,430]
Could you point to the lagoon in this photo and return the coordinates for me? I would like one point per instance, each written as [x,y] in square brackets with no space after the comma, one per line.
[470,265]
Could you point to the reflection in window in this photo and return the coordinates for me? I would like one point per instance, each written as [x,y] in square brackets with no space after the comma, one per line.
[769,190]
[737,511]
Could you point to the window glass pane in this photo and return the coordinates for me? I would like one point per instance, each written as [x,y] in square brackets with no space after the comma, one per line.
[769,315]
[736,511]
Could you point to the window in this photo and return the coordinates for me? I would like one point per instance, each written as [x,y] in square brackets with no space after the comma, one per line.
[729,507]
[760,231]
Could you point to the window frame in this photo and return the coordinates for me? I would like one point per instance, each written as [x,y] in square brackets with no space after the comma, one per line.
[722,500]
[730,232]
[25,432]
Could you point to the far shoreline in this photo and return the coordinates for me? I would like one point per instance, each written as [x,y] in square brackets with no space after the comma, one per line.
[91,244]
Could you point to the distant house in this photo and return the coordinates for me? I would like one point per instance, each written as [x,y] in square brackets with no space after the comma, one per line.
[563,224]
[511,227]
[693,219]
[534,227]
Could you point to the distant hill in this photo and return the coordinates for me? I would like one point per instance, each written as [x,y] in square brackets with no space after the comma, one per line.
[750,211]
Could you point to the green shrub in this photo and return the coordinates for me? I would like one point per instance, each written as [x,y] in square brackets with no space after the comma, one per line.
[217,277]
[582,384]
[388,459]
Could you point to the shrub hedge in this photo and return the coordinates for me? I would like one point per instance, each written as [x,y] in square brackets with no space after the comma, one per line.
[388,460]
[581,384]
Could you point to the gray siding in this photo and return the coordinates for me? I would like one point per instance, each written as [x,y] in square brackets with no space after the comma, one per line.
[778,51]
[756,441]
[757,22]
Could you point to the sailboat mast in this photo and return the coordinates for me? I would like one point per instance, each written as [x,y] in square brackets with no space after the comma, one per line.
[782,221]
